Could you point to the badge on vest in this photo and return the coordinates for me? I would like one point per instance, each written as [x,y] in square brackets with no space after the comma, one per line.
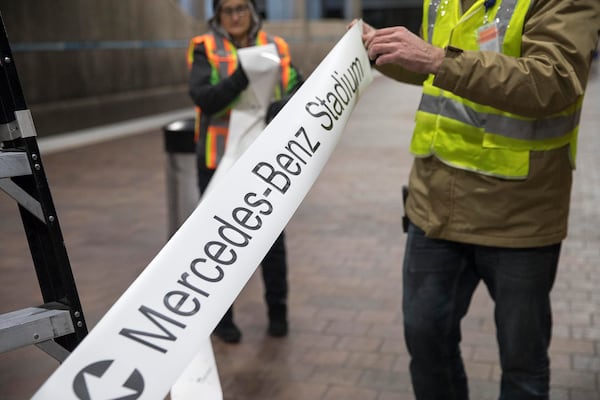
[488,37]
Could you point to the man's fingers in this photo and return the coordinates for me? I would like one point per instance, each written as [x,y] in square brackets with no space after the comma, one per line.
[379,50]
[368,39]
[382,41]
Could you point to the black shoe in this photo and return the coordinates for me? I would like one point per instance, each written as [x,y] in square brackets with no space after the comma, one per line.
[278,325]
[278,328]
[228,332]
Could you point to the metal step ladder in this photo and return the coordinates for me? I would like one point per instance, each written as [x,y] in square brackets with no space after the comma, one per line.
[58,325]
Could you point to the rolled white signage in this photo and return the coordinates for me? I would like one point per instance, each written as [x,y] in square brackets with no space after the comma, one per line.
[262,67]
[150,335]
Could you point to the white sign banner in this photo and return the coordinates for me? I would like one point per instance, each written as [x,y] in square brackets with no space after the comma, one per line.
[154,330]
[262,67]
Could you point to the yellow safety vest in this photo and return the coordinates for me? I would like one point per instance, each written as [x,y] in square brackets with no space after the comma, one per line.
[472,136]
[222,55]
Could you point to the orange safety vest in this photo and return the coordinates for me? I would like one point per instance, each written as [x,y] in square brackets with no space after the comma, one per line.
[222,55]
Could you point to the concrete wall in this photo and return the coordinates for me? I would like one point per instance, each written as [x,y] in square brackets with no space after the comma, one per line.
[85,63]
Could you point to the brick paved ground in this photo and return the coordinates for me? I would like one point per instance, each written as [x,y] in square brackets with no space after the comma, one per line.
[345,250]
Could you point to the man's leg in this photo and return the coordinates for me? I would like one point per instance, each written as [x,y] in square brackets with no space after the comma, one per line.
[520,281]
[438,283]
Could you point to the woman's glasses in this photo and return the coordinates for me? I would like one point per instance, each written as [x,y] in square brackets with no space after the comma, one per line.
[240,11]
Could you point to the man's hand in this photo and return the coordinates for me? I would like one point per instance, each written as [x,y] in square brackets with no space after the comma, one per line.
[400,46]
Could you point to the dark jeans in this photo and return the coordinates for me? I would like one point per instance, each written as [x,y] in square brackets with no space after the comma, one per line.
[274,266]
[439,280]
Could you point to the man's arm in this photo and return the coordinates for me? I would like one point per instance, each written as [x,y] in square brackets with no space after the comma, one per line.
[400,74]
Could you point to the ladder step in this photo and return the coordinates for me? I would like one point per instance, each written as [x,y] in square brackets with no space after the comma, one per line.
[33,325]
[13,163]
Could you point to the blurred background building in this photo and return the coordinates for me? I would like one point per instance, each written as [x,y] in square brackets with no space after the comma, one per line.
[86,63]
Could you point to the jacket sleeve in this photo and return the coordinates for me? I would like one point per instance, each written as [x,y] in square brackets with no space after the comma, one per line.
[400,74]
[558,40]
[213,97]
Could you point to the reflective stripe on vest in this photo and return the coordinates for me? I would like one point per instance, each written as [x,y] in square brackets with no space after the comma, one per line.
[472,136]
[523,129]
[222,55]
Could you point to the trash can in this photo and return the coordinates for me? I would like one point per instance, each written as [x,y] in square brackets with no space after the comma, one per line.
[181,176]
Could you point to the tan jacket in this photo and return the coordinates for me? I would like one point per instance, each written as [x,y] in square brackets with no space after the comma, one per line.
[448,203]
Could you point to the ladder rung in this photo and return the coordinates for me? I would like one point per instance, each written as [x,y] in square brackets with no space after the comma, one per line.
[13,164]
[32,325]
